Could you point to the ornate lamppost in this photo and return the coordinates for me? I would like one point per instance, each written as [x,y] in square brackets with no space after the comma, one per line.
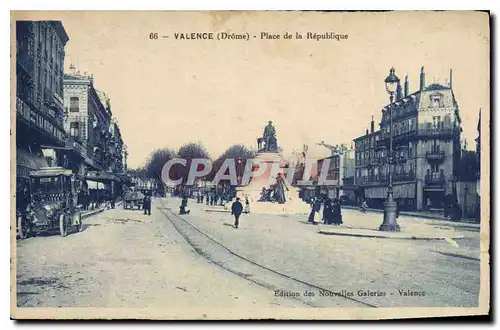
[390,206]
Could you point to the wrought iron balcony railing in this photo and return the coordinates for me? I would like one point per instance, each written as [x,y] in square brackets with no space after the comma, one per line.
[435,155]
[434,181]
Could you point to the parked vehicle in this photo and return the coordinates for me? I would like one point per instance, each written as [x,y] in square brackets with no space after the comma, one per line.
[133,199]
[53,203]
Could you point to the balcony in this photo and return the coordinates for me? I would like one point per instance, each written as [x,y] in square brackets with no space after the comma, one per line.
[435,155]
[53,100]
[439,133]
[40,119]
[23,109]
[432,181]
[383,179]
[400,177]
[373,180]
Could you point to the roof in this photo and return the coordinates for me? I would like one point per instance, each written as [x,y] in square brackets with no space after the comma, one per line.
[436,87]
[365,136]
[51,171]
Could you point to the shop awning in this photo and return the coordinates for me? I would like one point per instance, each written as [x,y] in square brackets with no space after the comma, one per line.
[104,177]
[399,191]
[27,162]
[95,185]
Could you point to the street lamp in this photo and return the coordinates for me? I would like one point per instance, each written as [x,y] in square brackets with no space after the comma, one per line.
[390,206]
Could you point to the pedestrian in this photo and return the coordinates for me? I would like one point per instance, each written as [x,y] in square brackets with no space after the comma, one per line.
[247,205]
[336,212]
[236,210]
[327,210]
[183,207]
[207,198]
[315,208]
[146,204]
[364,206]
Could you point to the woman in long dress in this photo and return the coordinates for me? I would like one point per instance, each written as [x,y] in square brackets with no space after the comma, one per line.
[279,189]
[336,212]
[247,205]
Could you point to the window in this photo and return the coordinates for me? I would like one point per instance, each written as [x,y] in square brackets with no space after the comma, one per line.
[74,104]
[434,168]
[74,129]
[436,122]
[436,100]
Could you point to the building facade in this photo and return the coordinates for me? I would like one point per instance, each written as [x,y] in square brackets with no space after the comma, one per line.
[94,134]
[426,131]
[338,169]
[39,94]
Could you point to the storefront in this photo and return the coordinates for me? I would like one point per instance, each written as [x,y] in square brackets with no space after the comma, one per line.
[405,194]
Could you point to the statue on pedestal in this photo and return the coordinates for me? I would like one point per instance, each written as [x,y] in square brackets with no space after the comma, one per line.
[269,139]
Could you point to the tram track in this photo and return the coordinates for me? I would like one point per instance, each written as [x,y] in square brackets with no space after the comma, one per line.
[290,287]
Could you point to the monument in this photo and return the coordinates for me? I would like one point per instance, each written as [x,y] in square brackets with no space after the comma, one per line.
[285,199]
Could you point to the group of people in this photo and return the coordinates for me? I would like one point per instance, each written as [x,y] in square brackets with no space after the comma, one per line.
[92,198]
[211,198]
[332,212]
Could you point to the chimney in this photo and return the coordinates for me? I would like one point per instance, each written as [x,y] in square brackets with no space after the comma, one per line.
[372,125]
[422,79]
[407,86]
[399,94]
[367,131]
[451,78]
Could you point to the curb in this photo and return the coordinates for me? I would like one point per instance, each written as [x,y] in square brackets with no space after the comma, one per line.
[417,215]
[409,237]
[216,210]
[91,213]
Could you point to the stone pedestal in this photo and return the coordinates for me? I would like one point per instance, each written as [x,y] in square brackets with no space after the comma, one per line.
[254,188]
[293,204]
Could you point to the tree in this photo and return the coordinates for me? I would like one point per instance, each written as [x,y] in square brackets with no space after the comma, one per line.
[139,172]
[155,162]
[189,151]
[236,152]
[469,166]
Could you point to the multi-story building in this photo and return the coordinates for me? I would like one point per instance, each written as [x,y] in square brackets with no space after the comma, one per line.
[339,170]
[39,93]
[95,135]
[88,120]
[115,149]
[367,161]
[426,142]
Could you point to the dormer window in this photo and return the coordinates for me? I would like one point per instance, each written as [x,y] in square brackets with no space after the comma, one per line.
[436,100]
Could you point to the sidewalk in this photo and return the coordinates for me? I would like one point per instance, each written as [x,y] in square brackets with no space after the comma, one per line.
[416,214]
[87,214]
[359,224]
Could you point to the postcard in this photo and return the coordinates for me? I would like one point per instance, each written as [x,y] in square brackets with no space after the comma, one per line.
[244,165]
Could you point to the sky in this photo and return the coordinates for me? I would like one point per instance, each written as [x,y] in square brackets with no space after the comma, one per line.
[168,92]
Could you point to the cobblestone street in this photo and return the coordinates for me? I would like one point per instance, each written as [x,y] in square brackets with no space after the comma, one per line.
[126,259]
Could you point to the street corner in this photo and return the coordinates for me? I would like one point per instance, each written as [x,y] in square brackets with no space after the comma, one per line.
[402,235]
